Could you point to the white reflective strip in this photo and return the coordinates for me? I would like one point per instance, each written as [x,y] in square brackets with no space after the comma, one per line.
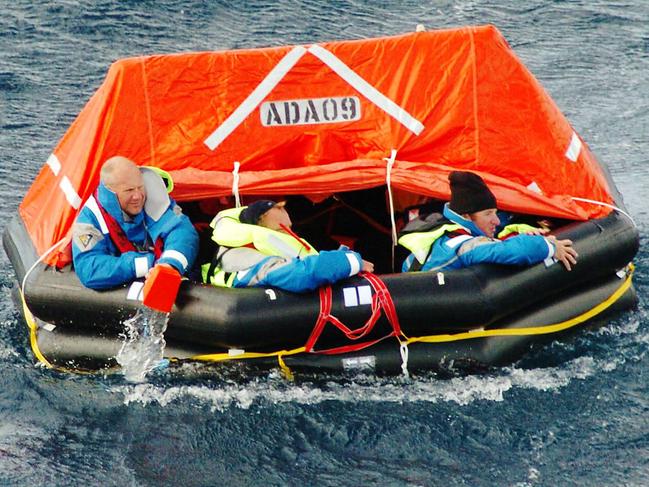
[440,278]
[350,296]
[174,254]
[70,193]
[455,241]
[364,295]
[255,98]
[367,90]
[135,291]
[235,352]
[353,262]
[235,184]
[54,163]
[91,204]
[550,249]
[49,326]
[574,148]
[271,294]
[141,266]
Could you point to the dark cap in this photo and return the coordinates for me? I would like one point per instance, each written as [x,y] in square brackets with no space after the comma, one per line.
[469,193]
[253,212]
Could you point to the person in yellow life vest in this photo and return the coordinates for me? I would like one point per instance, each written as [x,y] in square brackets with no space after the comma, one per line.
[466,234]
[257,248]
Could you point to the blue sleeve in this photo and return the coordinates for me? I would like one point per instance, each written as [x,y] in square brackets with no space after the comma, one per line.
[99,268]
[179,237]
[308,273]
[518,250]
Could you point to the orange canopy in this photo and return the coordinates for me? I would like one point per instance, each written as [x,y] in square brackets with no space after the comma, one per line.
[323,118]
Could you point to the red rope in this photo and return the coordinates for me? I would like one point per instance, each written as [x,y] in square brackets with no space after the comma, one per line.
[381,302]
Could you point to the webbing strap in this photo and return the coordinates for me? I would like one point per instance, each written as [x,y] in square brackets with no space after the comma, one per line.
[381,303]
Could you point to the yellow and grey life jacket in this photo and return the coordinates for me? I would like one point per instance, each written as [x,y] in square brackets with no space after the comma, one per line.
[421,243]
[229,233]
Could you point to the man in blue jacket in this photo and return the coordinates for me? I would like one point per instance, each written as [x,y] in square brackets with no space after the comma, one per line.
[258,248]
[466,235]
[129,225]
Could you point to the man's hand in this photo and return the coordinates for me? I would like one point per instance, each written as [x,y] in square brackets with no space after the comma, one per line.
[367,266]
[564,252]
[536,231]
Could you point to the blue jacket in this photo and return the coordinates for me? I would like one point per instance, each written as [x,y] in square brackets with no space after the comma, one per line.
[297,274]
[96,258]
[459,251]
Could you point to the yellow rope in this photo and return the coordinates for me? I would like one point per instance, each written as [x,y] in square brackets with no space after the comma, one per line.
[534,330]
[33,329]
[225,356]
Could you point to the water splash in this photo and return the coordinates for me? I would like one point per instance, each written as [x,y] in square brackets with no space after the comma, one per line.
[143,347]
[460,390]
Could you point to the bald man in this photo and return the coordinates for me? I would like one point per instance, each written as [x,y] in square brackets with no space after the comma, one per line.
[129,225]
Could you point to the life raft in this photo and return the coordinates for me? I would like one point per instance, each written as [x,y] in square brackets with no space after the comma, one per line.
[320,122]
[480,316]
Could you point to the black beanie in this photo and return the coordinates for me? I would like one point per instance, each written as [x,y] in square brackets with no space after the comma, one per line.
[253,212]
[469,193]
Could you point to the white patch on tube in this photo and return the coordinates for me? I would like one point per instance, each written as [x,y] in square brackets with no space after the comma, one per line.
[135,291]
[364,295]
[350,297]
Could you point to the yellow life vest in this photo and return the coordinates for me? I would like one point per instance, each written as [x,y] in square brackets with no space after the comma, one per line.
[420,243]
[230,232]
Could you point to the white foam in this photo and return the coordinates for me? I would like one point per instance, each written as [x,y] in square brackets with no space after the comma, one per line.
[460,390]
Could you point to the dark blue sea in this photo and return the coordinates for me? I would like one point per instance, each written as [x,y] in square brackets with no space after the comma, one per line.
[572,413]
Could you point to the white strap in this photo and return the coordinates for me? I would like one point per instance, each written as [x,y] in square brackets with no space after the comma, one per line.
[388,182]
[601,203]
[38,261]
[403,349]
[235,184]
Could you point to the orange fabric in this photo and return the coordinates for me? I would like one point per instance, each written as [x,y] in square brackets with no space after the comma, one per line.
[480,108]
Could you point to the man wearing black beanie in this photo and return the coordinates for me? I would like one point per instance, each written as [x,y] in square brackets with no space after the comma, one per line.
[467,235]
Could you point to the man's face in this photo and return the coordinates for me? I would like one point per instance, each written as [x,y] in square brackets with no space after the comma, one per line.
[128,185]
[486,221]
[275,218]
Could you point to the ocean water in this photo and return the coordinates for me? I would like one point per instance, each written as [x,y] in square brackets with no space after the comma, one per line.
[573,413]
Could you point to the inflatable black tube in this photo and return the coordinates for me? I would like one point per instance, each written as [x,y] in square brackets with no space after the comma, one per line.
[79,351]
[209,318]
